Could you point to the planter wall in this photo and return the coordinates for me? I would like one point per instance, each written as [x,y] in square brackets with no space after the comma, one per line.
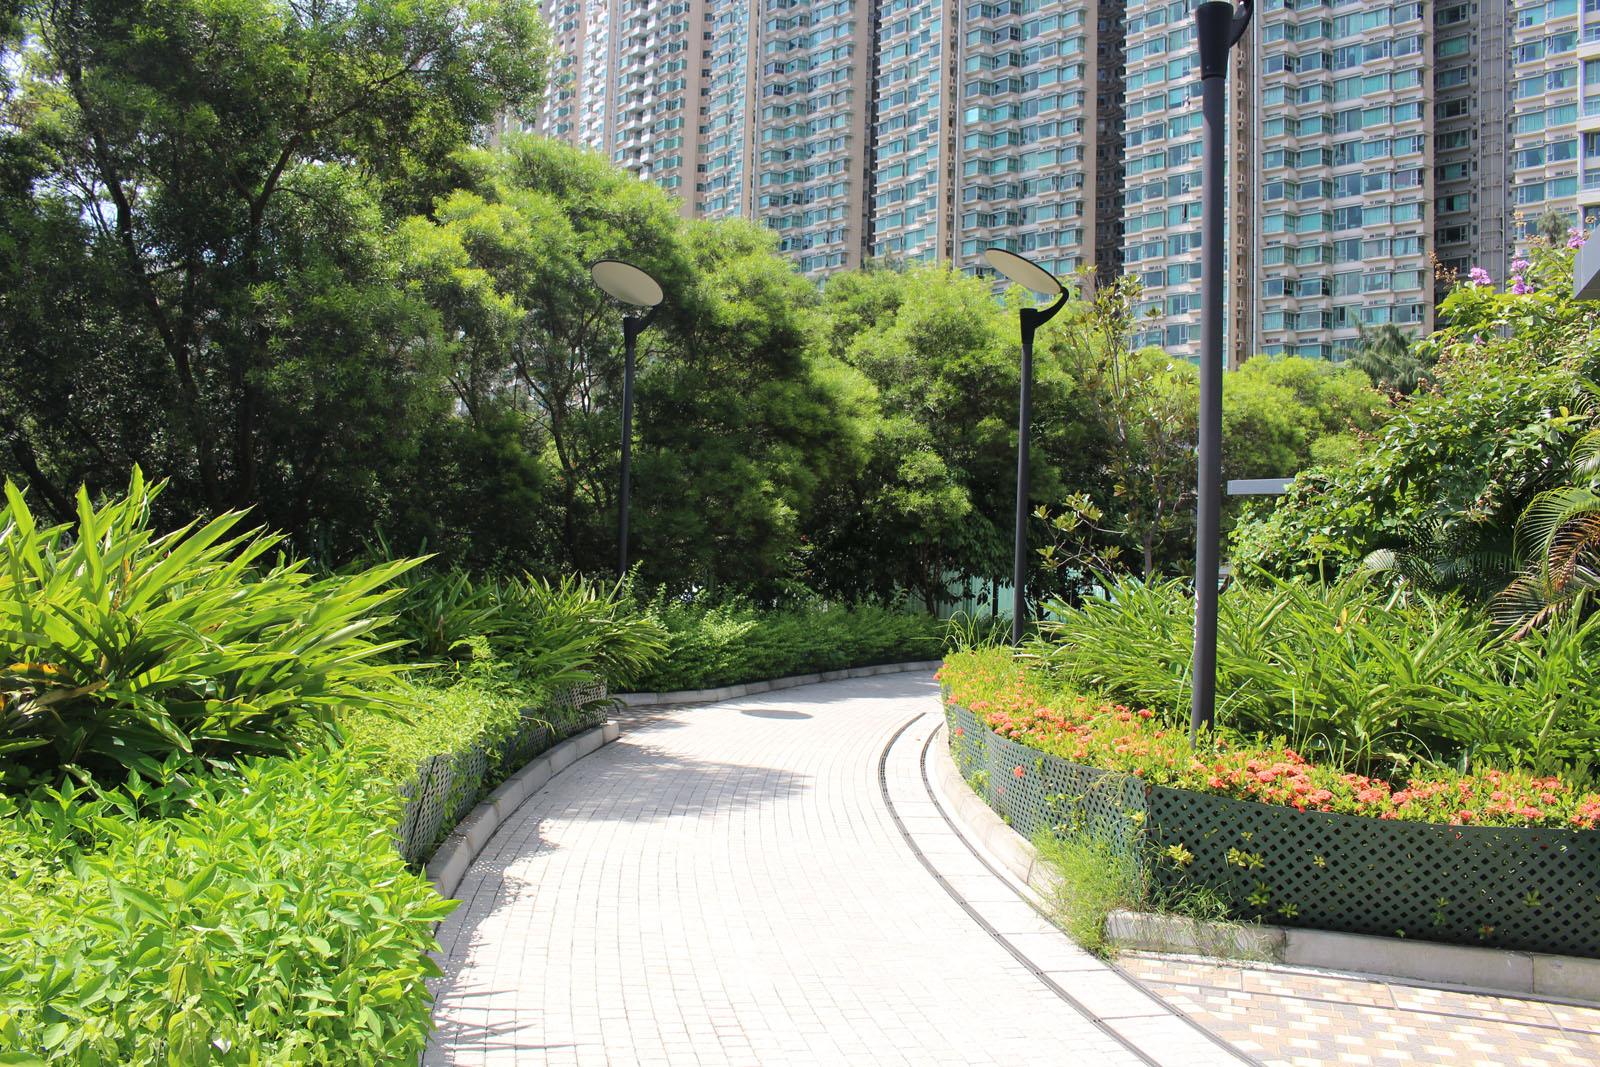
[447,785]
[1534,890]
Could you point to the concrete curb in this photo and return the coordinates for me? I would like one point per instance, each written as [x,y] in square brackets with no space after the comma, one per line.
[1502,971]
[450,863]
[745,689]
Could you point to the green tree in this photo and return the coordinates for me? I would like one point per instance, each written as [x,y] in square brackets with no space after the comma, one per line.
[736,425]
[1553,225]
[221,167]
[1282,414]
[1145,409]
[939,356]
[1387,356]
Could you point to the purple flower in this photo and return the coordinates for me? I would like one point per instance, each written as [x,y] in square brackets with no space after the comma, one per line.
[1575,238]
[1518,266]
[1479,276]
[1521,288]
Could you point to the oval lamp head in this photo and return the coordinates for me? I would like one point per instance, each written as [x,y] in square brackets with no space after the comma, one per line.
[626,283]
[1024,272]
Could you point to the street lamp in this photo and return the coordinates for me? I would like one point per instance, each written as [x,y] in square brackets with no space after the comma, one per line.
[1219,26]
[629,284]
[1029,275]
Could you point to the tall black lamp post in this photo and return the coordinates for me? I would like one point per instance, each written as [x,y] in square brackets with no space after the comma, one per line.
[629,284]
[1029,275]
[1219,26]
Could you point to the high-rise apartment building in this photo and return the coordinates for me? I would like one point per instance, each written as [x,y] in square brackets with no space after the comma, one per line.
[654,96]
[1344,142]
[574,107]
[810,124]
[1330,182]
[1038,148]
[1555,131]
[1367,142]
[593,72]
[1161,162]
[913,162]
[905,130]
[725,184]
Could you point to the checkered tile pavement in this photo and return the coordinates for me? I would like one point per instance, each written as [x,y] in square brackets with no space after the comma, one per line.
[1291,1017]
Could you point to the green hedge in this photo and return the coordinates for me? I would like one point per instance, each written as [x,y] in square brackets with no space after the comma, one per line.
[460,741]
[266,919]
[732,643]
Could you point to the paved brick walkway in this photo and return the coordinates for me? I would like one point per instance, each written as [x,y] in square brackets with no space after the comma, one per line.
[726,885]
[770,881]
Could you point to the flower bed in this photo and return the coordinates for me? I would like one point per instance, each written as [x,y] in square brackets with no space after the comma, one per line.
[1281,855]
[1002,690]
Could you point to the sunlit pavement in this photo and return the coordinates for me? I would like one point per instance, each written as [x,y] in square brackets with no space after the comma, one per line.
[772,881]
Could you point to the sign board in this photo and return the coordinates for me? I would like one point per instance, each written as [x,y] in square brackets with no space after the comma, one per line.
[1258,486]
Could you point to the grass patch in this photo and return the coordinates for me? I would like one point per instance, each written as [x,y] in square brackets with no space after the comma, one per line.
[1090,880]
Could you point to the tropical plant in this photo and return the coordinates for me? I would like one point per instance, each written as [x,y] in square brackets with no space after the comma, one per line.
[568,631]
[1558,540]
[1367,677]
[723,644]
[1533,703]
[1385,354]
[123,645]
[434,616]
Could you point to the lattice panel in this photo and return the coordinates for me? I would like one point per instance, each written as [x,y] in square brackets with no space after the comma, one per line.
[1050,794]
[967,740]
[448,785]
[1530,890]
[1534,890]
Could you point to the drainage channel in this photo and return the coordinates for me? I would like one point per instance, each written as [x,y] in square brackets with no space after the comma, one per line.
[972,912]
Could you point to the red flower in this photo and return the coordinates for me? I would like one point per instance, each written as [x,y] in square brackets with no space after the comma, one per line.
[1019,771]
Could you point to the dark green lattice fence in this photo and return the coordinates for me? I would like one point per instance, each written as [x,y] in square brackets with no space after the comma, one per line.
[1533,890]
[447,785]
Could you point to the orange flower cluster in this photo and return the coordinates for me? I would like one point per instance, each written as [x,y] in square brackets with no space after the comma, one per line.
[1001,691]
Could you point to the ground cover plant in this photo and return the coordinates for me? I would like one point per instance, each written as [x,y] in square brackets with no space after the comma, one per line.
[264,917]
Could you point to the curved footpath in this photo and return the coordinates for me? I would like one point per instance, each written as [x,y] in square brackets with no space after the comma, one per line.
[773,880]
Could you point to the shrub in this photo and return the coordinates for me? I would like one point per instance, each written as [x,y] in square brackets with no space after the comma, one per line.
[725,644]
[1356,673]
[125,646]
[271,921]
[1440,487]
[440,717]
[559,634]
